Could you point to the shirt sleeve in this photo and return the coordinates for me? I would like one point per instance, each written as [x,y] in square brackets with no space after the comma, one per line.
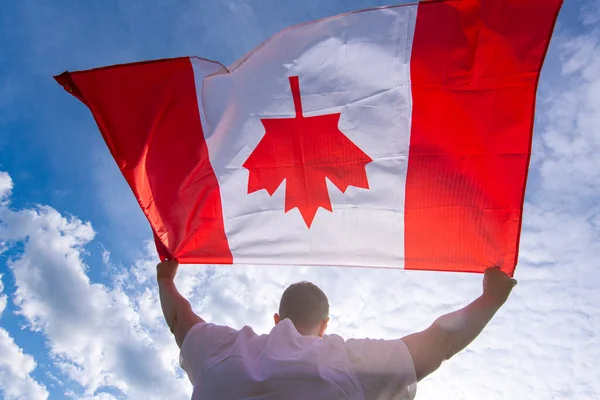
[200,343]
[384,368]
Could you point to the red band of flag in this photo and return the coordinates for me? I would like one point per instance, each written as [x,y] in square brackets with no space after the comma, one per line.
[474,72]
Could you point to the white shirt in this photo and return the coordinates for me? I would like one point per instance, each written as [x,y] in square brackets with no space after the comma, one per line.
[224,363]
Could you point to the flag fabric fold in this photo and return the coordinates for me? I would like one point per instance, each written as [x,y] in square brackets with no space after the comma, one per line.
[393,137]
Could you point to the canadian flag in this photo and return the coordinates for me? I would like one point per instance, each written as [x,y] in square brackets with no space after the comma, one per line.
[392,137]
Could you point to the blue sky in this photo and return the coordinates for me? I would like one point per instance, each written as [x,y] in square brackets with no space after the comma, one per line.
[79,312]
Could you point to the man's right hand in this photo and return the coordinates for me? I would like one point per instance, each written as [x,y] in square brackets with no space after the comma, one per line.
[452,332]
[497,285]
[166,270]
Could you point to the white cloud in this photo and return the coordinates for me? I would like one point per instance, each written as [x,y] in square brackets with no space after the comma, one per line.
[6,185]
[16,367]
[99,396]
[94,333]
[54,379]
[3,297]
[15,372]
[590,13]
[570,168]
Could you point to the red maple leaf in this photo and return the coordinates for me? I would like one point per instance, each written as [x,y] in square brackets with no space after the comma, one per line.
[304,151]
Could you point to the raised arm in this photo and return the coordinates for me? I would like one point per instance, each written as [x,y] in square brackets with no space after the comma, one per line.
[176,309]
[452,332]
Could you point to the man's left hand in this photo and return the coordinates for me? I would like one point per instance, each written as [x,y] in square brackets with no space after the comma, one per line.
[166,270]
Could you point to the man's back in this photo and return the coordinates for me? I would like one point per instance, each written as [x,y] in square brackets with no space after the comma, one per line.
[298,361]
[223,363]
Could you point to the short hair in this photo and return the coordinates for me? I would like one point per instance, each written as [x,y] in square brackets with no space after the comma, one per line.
[304,304]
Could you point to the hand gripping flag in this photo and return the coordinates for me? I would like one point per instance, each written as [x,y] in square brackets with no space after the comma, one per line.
[392,137]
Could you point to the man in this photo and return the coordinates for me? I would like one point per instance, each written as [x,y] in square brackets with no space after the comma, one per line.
[296,360]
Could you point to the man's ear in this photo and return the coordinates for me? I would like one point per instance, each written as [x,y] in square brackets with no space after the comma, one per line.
[323,327]
[276,318]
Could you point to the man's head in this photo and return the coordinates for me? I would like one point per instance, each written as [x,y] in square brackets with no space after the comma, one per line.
[306,306]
